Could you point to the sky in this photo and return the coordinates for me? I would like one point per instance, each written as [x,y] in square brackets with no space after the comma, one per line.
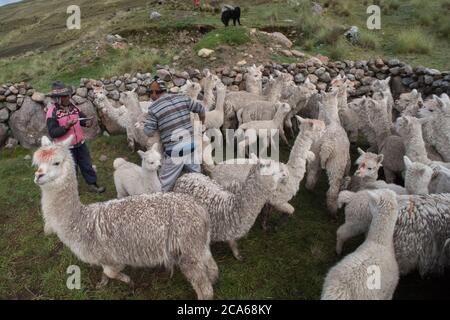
[3,2]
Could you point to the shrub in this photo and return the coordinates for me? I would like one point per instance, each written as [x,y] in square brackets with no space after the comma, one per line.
[413,41]
[368,40]
[231,36]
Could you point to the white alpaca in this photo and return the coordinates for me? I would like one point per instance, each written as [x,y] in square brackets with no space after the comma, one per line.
[417,177]
[214,119]
[440,183]
[118,115]
[332,152]
[232,214]
[436,130]
[409,103]
[350,278]
[382,87]
[421,229]
[262,129]
[253,79]
[130,179]
[161,229]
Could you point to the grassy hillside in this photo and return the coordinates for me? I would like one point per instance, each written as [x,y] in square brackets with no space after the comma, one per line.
[35,45]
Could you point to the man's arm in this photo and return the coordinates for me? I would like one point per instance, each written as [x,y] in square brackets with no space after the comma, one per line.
[83,123]
[54,129]
[198,108]
[150,124]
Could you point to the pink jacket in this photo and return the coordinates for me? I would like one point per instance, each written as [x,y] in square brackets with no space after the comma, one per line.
[63,117]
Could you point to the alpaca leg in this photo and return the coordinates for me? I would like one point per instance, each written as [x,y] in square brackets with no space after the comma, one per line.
[283,136]
[211,266]
[335,182]
[235,249]
[265,215]
[285,208]
[195,273]
[343,233]
[114,273]
[312,175]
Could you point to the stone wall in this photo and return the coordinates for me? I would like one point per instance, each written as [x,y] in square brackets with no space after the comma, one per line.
[22,110]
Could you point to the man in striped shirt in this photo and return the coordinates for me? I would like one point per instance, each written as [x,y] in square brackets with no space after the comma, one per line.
[171,116]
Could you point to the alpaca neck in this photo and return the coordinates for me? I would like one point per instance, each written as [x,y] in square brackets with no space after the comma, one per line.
[382,228]
[342,98]
[254,86]
[249,202]
[415,147]
[382,132]
[299,152]
[274,93]
[221,94]
[208,99]
[415,187]
[279,117]
[151,179]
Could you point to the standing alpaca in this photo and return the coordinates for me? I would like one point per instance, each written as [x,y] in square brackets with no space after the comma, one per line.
[118,115]
[436,130]
[382,87]
[417,177]
[253,79]
[214,119]
[232,214]
[192,89]
[142,231]
[421,229]
[332,152]
[210,81]
[261,129]
[350,278]
[130,179]
[409,103]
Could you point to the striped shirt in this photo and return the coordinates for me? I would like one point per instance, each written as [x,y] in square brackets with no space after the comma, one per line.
[170,114]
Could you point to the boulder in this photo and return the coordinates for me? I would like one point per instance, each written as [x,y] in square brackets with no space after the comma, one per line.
[89,110]
[110,125]
[280,38]
[82,92]
[4,115]
[164,74]
[28,124]
[3,133]
[38,97]
[154,15]
[205,53]
[11,98]
[12,106]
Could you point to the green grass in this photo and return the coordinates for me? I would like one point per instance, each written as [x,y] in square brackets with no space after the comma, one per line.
[413,41]
[226,36]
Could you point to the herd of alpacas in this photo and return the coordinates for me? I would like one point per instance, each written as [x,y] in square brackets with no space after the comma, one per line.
[407,226]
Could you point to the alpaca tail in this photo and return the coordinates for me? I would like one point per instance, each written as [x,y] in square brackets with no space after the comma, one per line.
[118,163]
[344,198]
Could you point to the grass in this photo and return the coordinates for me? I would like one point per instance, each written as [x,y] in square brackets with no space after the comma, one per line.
[413,41]
[226,36]
[289,262]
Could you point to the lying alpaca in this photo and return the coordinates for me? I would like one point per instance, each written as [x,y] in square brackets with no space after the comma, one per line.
[332,152]
[232,214]
[261,129]
[421,229]
[131,179]
[349,279]
[142,231]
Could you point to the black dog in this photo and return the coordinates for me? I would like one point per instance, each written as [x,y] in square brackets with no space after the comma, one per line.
[228,13]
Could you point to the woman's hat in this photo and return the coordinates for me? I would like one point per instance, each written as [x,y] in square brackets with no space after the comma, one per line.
[59,89]
[161,83]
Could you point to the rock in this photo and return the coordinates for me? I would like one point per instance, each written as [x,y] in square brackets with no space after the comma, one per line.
[235,88]
[11,143]
[241,63]
[352,34]
[82,92]
[154,15]
[110,87]
[103,158]
[406,70]
[131,86]
[367,81]
[4,115]
[313,78]
[280,38]
[359,74]
[227,81]
[164,74]
[299,78]
[316,8]
[393,62]
[38,97]
[428,79]
[28,124]
[3,133]
[363,90]
[11,98]
[27,157]
[287,53]
[117,83]
[321,86]
[239,78]
[379,63]
[298,54]
[78,99]
[13,90]
[89,110]
[179,82]
[395,71]
[106,134]
[407,81]
[19,101]
[325,77]
[175,90]
[2,98]
[30,92]
[12,106]
[110,38]
[205,53]
[432,72]
[182,75]
[115,95]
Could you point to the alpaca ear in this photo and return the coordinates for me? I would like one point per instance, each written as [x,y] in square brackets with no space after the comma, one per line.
[380,158]
[155,147]
[387,80]
[408,162]
[307,81]
[361,151]
[66,143]
[141,153]
[134,89]
[300,119]
[45,141]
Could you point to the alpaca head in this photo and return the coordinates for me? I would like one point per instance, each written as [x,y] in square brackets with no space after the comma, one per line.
[129,97]
[409,100]
[311,127]
[368,164]
[383,203]
[283,108]
[328,108]
[381,85]
[151,159]
[254,73]
[193,89]
[407,125]
[417,176]
[54,163]
[270,173]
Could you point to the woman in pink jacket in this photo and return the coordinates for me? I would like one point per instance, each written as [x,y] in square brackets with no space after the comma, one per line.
[65,119]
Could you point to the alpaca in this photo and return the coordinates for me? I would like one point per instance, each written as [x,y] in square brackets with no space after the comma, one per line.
[382,87]
[348,117]
[232,214]
[417,177]
[214,119]
[440,183]
[142,231]
[237,169]
[436,129]
[131,179]
[210,81]
[332,152]
[260,129]
[137,118]
[349,279]
[118,115]
[422,227]
[359,108]
[409,103]
[192,89]
[253,79]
